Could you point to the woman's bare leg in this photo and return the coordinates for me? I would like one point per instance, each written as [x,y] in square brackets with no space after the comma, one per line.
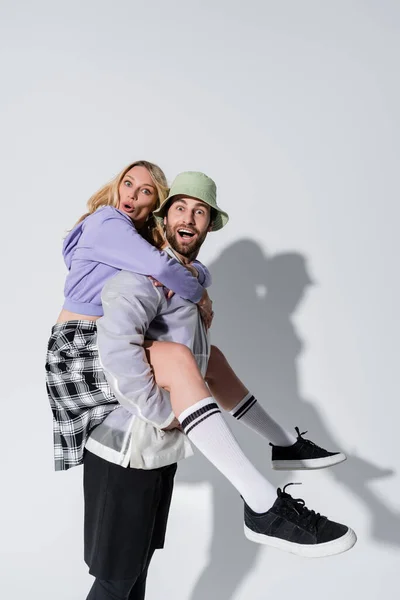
[175,369]
[234,397]
[223,382]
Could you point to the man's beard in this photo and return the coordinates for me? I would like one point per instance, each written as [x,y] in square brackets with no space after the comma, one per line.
[189,250]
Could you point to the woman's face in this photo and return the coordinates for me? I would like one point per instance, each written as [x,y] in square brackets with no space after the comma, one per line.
[137,195]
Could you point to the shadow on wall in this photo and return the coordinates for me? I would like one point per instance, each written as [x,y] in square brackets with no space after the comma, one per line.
[255,298]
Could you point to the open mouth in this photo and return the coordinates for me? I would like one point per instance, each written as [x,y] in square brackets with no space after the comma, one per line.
[128,207]
[186,234]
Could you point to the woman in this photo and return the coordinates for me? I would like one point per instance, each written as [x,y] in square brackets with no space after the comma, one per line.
[115,234]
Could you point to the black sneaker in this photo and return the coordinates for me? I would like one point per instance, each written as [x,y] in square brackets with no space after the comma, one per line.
[303,454]
[288,525]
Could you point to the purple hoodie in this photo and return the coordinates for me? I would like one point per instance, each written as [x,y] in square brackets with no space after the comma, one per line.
[107,242]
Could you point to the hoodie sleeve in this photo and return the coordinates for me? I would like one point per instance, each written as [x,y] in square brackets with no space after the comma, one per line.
[111,238]
[205,278]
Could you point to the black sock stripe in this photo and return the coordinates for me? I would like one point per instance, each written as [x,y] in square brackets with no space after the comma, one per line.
[198,413]
[239,413]
[247,410]
[210,414]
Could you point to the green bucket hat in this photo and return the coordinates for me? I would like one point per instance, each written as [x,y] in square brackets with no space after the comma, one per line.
[197,185]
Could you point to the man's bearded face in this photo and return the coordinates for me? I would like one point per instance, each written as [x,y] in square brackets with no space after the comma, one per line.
[187,224]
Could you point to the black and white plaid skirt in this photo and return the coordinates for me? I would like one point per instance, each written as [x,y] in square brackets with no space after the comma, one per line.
[79,394]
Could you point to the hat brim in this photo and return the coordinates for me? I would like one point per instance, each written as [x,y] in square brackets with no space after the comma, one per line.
[219,222]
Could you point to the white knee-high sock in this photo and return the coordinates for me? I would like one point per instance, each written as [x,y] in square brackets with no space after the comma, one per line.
[250,412]
[206,428]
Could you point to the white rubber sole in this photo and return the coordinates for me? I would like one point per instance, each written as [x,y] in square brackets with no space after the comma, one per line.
[311,463]
[338,546]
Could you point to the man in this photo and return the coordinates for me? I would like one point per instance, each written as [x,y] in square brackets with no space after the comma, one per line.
[131,459]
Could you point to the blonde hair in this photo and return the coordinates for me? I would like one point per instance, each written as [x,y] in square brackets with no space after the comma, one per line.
[108,195]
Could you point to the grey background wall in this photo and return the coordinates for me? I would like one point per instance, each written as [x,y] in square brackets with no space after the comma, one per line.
[293,108]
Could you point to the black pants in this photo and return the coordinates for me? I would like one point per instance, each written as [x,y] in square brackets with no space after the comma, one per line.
[126,589]
[126,514]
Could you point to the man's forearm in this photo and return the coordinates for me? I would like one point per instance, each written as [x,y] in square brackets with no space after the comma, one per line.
[130,303]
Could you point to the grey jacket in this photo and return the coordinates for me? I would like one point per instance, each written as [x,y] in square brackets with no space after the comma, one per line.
[134,309]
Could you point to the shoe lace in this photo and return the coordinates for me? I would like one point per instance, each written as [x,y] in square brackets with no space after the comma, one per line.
[307,516]
[300,436]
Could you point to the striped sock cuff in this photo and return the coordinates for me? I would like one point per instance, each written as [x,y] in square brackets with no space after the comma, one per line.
[244,406]
[197,413]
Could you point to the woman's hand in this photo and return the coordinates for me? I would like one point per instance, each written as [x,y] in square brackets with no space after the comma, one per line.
[168,293]
[193,270]
[206,311]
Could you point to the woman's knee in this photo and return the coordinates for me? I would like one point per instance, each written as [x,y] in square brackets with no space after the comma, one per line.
[171,354]
[181,355]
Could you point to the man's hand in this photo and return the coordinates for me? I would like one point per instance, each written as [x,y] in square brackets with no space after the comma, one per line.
[174,425]
[206,311]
